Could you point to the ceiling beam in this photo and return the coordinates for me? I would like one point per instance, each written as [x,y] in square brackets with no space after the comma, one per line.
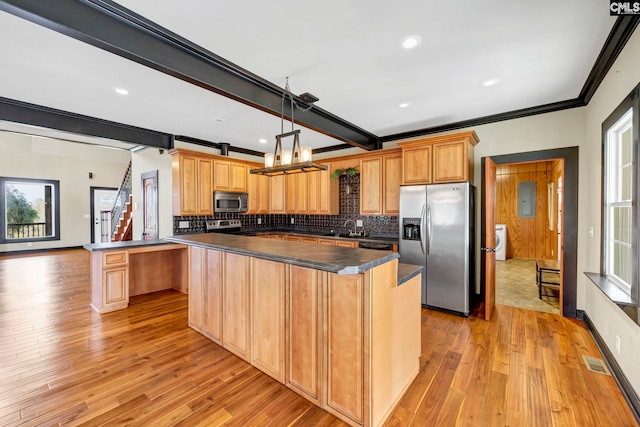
[15,111]
[109,26]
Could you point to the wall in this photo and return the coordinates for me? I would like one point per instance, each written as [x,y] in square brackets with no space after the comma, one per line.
[526,237]
[607,318]
[70,163]
[148,160]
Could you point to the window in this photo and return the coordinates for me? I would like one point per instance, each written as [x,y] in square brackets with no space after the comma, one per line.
[620,196]
[30,210]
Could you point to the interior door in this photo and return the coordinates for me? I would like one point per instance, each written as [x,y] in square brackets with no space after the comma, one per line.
[489,236]
[150,205]
[102,200]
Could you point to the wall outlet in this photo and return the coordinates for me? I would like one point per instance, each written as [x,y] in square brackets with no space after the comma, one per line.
[259,221]
[29,244]
[183,224]
[358,223]
[292,221]
[617,345]
[87,216]
[590,231]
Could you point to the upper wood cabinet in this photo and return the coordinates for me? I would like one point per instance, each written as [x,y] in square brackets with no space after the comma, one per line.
[192,178]
[297,193]
[258,189]
[277,194]
[392,169]
[380,179]
[229,176]
[443,158]
[371,186]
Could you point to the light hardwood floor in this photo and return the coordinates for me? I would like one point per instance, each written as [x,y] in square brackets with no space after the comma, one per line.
[63,364]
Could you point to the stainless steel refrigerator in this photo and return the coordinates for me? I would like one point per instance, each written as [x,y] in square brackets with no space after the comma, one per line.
[436,230]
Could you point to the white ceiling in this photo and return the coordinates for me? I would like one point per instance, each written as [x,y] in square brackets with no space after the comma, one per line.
[345,52]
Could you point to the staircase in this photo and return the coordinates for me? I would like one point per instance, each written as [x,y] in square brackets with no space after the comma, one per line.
[124,228]
[121,218]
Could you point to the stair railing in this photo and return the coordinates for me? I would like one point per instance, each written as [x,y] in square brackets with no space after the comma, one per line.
[121,200]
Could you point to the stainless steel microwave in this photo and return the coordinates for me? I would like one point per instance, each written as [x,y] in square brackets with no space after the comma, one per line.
[227,201]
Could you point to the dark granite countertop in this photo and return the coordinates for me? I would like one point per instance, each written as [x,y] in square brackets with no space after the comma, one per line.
[407,272]
[127,244]
[328,235]
[326,258]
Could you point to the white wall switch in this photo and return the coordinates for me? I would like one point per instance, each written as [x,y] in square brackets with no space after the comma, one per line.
[87,216]
[358,223]
[590,231]
[183,224]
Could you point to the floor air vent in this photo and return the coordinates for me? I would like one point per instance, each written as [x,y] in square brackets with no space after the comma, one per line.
[595,365]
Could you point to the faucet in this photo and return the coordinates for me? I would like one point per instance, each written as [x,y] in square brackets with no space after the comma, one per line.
[355,227]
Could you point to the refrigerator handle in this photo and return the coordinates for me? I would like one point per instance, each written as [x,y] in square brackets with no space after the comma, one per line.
[422,228]
[429,231]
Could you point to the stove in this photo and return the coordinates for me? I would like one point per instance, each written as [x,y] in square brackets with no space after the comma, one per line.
[227,226]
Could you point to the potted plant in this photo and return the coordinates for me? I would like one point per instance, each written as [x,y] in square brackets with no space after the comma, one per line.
[352,171]
[344,171]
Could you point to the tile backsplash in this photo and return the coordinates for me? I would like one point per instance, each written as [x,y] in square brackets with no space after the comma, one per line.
[349,210]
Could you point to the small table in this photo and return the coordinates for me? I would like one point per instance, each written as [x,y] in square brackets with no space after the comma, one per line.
[547,266]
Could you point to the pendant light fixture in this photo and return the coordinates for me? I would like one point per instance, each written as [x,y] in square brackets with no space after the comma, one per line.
[298,159]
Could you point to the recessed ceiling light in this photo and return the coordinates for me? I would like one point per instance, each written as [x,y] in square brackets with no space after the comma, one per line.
[218,119]
[411,42]
[121,91]
[263,141]
[404,104]
[490,82]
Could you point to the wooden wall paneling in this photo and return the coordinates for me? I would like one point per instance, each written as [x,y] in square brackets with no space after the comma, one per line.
[526,237]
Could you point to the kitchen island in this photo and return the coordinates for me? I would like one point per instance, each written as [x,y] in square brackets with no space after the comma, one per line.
[331,323]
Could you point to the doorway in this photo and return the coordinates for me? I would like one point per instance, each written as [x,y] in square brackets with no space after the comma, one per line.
[101,205]
[526,212]
[568,218]
[150,205]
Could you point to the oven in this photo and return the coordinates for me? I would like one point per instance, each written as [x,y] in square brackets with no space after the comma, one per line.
[226,226]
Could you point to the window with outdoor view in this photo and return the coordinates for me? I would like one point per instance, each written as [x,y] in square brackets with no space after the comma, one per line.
[30,210]
[620,196]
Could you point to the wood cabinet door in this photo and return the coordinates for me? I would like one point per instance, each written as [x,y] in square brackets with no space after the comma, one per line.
[304,332]
[327,242]
[238,177]
[277,194]
[327,193]
[313,196]
[205,187]
[347,244]
[344,346]
[371,186]
[236,283]
[212,299]
[188,185]
[221,175]
[392,182]
[310,240]
[115,286]
[450,163]
[258,188]
[197,261]
[417,165]
[268,317]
